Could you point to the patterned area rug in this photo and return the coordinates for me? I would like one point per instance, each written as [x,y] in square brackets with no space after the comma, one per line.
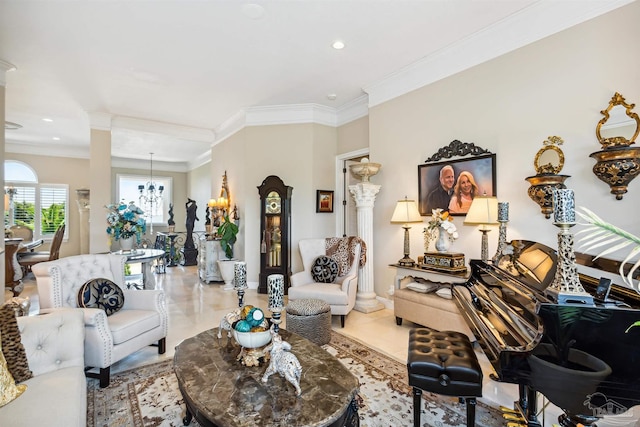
[149,396]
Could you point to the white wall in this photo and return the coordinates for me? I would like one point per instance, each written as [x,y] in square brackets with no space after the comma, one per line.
[510,105]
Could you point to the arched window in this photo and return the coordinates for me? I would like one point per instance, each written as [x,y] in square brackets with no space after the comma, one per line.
[41,207]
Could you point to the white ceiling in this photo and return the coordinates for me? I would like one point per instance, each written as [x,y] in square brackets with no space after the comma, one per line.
[175,77]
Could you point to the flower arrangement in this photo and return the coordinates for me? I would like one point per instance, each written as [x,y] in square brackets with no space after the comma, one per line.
[439,219]
[125,221]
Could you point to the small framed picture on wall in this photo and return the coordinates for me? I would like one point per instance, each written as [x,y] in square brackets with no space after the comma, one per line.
[324,201]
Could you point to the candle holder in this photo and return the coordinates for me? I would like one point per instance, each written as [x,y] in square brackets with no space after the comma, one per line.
[275,286]
[240,280]
[566,286]
[503,219]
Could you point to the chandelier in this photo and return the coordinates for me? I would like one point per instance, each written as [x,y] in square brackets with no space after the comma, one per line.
[150,196]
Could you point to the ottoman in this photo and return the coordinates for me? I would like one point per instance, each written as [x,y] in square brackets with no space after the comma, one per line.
[443,363]
[311,319]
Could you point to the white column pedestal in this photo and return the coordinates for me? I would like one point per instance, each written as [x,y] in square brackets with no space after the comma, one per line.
[364,194]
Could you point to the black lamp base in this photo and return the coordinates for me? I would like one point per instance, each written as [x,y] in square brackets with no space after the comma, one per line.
[406,261]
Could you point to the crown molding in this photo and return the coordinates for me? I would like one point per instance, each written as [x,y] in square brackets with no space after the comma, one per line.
[199,161]
[353,110]
[531,24]
[57,150]
[158,166]
[5,67]
[290,114]
[176,131]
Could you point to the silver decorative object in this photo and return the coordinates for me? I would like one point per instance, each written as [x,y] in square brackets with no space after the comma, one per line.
[564,206]
[240,280]
[275,287]
[503,219]
[566,286]
[283,362]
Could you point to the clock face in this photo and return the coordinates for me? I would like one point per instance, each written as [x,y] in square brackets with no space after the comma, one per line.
[273,203]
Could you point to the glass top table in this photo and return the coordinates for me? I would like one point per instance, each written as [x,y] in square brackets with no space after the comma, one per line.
[219,391]
[144,257]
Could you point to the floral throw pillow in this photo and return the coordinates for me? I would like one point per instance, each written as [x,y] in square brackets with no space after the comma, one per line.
[101,293]
[324,269]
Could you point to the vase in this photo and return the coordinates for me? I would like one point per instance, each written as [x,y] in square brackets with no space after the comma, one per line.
[126,243]
[226,267]
[443,242]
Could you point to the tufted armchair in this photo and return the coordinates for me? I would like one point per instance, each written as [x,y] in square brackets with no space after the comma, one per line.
[57,393]
[141,321]
[340,294]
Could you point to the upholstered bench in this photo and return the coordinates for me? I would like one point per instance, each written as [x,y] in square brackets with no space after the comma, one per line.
[428,304]
[311,319]
[443,363]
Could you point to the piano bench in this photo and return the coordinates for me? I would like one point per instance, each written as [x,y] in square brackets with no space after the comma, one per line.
[443,363]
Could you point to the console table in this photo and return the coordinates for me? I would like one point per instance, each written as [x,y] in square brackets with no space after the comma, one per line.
[434,275]
[428,309]
[209,254]
[219,391]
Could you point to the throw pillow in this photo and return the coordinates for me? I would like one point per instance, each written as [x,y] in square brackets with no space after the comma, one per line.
[14,354]
[8,388]
[444,293]
[424,288]
[324,269]
[101,293]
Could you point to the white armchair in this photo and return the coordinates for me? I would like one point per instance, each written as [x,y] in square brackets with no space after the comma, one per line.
[341,293]
[141,321]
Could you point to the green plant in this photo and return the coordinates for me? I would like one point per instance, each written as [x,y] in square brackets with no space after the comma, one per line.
[228,233]
[601,234]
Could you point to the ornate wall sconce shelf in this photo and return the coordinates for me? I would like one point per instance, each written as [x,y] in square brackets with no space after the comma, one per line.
[617,163]
[548,163]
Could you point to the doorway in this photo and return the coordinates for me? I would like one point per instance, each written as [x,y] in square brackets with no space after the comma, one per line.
[346,218]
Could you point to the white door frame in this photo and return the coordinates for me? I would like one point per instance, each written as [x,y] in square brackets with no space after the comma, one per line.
[340,190]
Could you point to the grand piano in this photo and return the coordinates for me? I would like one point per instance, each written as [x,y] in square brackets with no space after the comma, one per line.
[582,357]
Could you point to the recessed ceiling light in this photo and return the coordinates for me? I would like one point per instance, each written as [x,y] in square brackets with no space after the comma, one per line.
[56,138]
[338,44]
[48,120]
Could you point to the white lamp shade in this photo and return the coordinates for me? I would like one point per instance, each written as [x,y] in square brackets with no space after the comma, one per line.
[483,210]
[406,211]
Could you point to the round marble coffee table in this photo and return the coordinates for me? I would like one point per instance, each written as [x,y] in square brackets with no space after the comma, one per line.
[219,391]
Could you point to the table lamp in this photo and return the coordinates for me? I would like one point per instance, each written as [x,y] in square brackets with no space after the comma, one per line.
[483,211]
[406,212]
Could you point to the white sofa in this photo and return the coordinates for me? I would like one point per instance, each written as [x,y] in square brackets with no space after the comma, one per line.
[57,393]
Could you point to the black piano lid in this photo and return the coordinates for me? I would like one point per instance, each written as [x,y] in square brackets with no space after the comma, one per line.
[520,278]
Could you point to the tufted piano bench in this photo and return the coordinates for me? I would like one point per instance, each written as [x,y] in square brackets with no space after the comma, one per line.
[443,363]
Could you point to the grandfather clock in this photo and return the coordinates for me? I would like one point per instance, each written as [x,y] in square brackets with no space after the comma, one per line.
[275,231]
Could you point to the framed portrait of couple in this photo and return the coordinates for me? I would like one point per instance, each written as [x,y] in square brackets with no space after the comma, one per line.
[453,184]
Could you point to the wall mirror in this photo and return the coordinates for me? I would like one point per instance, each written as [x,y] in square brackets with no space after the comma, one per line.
[618,163]
[548,163]
[550,158]
[620,125]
